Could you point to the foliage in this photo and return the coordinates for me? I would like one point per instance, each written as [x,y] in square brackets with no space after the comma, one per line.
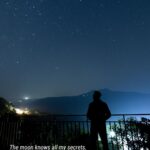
[131,134]
[6,107]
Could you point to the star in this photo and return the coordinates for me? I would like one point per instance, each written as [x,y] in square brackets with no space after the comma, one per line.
[33,34]
[39,13]
[26,15]
[33,7]
[7,3]
[17,62]
[102,5]
[57,68]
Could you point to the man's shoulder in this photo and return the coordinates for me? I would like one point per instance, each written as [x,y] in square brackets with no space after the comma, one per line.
[102,102]
[90,104]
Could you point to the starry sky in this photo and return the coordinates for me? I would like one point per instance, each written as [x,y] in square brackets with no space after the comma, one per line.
[67,47]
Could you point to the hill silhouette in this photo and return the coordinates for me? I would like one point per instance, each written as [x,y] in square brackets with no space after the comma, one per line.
[119,102]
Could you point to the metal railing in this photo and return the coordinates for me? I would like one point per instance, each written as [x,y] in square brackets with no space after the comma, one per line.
[124,131]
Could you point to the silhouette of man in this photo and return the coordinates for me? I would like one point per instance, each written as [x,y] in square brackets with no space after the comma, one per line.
[98,113]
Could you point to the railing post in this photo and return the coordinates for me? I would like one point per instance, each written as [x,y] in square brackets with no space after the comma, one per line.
[124,120]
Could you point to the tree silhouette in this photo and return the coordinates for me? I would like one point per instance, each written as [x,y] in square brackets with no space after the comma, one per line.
[6,107]
[132,134]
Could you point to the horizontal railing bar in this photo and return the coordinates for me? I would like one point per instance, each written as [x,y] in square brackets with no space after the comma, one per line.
[83,115]
[130,114]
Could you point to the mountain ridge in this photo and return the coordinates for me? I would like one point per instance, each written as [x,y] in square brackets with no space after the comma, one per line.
[118,101]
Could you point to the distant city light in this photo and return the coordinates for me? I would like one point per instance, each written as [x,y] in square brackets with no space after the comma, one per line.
[19,111]
[26,98]
[22,111]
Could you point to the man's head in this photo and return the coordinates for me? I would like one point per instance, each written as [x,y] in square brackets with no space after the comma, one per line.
[96,95]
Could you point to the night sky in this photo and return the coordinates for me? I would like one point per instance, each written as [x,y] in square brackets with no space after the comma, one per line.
[67,47]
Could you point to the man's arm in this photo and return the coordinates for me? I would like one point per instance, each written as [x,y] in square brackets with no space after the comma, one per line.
[107,113]
[89,112]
